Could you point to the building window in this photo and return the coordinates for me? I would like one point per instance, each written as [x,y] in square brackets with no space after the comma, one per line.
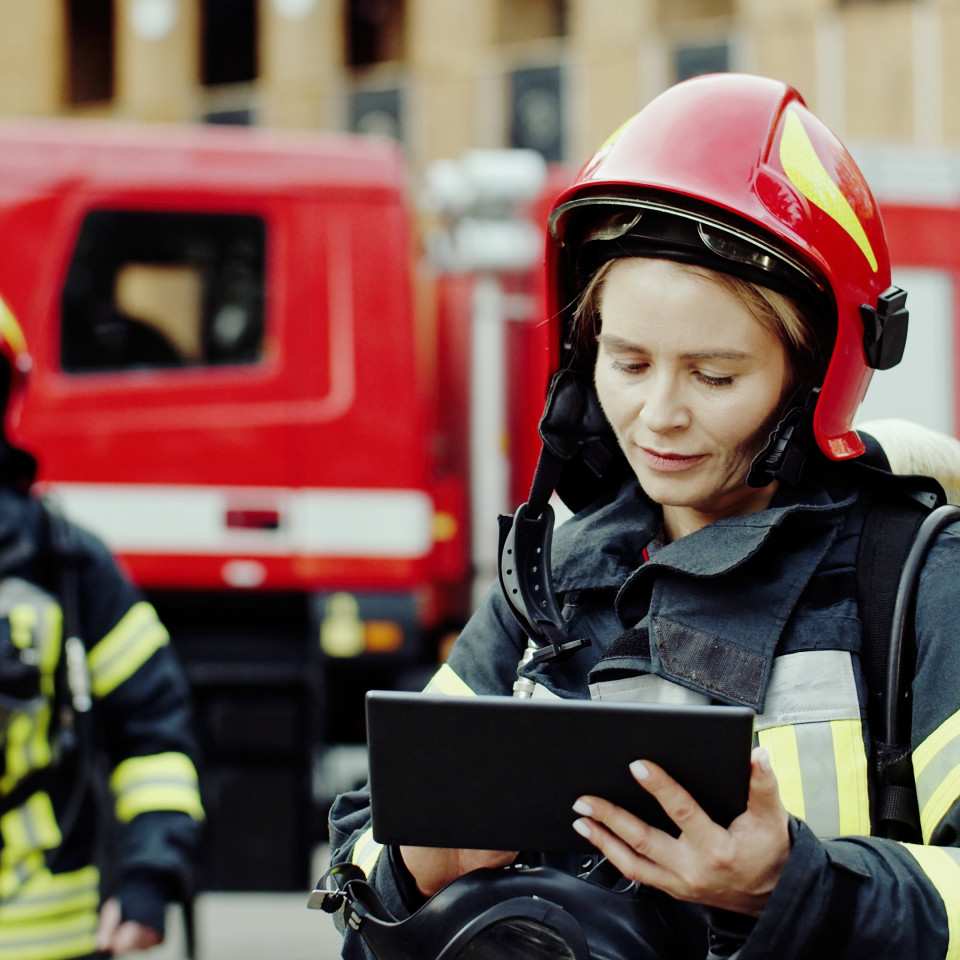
[229,47]
[377,112]
[532,19]
[90,41]
[374,31]
[536,111]
[151,290]
[691,61]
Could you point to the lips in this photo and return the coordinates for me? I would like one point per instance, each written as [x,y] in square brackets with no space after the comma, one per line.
[669,462]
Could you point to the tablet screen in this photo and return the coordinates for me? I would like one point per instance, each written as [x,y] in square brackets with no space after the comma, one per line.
[501,773]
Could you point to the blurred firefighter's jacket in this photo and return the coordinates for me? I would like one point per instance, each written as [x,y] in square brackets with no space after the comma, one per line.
[139,722]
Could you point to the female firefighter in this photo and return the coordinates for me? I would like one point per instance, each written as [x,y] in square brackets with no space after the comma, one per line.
[721,284]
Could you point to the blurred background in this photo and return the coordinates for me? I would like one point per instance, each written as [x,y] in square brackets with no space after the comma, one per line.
[278,266]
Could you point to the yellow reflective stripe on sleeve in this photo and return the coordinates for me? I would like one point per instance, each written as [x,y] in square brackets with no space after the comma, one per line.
[366,852]
[942,867]
[163,781]
[447,681]
[781,744]
[936,768]
[125,648]
[851,762]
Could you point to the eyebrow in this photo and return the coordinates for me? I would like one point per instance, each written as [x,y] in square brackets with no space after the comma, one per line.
[617,343]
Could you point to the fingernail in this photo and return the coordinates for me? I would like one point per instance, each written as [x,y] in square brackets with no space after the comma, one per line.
[639,770]
[583,808]
[763,758]
[582,827]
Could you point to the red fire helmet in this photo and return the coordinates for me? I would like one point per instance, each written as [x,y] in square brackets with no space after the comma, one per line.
[17,363]
[735,173]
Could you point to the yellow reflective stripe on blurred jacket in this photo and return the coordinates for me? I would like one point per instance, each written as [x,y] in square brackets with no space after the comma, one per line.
[446,681]
[26,832]
[31,826]
[942,867]
[125,648]
[28,746]
[163,781]
[936,768]
[60,931]
[52,894]
[366,851]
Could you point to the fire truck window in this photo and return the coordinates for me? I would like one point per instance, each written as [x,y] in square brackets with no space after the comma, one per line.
[160,290]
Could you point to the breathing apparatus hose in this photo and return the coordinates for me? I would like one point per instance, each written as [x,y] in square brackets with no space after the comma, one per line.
[903,612]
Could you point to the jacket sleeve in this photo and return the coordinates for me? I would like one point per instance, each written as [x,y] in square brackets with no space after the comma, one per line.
[870,897]
[145,723]
[482,661]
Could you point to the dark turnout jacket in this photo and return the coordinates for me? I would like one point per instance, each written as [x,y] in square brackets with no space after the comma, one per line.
[758,610]
[49,883]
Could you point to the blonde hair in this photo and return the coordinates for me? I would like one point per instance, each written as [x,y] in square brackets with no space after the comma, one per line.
[915,449]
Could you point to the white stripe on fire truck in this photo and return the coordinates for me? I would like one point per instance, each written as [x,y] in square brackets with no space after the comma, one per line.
[145,518]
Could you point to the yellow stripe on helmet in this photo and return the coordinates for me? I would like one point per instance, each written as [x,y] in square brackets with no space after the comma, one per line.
[802,165]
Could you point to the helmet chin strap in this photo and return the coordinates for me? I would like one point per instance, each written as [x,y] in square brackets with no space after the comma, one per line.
[786,453]
[571,426]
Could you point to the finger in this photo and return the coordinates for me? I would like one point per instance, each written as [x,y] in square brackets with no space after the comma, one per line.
[624,855]
[677,803]
[134,936]
[109,921]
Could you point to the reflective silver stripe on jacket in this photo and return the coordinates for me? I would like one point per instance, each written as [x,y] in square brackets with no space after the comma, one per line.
[812,730]
[810,726]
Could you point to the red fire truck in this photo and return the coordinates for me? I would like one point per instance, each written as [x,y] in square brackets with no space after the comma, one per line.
[249,379]
[293,401]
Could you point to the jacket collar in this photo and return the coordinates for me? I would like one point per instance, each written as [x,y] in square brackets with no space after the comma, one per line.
[715,602]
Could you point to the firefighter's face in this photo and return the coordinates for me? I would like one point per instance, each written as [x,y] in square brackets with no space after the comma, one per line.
[690,383]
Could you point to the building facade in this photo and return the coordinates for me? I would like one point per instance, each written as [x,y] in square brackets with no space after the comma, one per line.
[447,75]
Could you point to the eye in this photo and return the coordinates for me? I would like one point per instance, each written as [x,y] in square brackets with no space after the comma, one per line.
[628,366]
[713,381]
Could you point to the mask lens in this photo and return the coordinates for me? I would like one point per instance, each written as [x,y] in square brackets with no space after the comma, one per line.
[517,939]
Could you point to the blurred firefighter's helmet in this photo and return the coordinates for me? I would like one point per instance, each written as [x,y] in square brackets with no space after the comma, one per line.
[16,465]
[733,172]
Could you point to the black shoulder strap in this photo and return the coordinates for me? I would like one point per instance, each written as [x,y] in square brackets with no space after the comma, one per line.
[890,528]
[896,521]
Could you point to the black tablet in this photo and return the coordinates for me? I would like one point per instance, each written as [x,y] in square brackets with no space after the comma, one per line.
[501,773]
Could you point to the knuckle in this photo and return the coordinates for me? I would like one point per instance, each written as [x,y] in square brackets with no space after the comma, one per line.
[683,811]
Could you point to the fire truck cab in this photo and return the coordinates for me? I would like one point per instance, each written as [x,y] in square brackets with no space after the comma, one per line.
[245,383]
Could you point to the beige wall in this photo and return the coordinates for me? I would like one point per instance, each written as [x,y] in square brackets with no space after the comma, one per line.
[880,71]
[301,65]
[32,57]
[157,75]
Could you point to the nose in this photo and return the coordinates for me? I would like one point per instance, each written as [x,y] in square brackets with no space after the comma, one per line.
[663,407]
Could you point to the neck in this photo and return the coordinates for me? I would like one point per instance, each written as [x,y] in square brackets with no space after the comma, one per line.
[678,521]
